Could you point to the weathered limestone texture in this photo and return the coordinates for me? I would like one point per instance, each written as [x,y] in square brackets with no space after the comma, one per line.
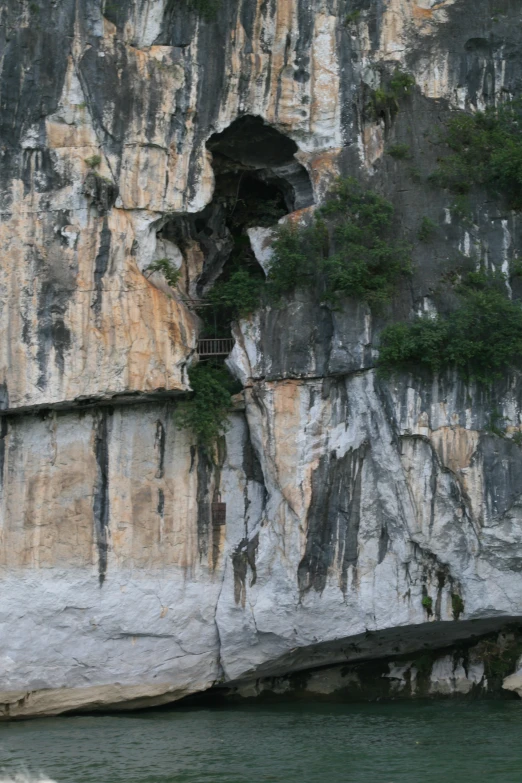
[349,497]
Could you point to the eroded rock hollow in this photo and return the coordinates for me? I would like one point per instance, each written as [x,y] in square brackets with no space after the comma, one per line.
[150,130]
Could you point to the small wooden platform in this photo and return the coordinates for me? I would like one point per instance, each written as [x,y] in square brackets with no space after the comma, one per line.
[215,347]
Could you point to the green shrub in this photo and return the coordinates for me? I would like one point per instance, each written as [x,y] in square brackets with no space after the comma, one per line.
[415,173]
[427,229]
[205,414]
[461,207]
[482,338]
[93,161]
[515,268]
[386,98]
[399,151]
[496,424]
[427,603]
[486,150]
[352,18]
[168,270]
[349,249]
[457,605]
[500,654]
[298,257]
[240,294]
[207,9]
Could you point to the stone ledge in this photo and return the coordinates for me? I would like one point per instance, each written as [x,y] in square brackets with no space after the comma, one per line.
[48,702]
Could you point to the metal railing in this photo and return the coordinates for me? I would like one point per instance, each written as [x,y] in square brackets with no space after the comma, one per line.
[217,347]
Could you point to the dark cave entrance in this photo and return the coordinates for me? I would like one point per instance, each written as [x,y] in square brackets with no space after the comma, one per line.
[257,181]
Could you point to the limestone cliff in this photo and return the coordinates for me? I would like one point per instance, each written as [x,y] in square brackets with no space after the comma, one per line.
[348,497]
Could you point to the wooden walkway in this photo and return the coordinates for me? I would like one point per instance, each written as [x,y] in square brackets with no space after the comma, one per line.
[218,347]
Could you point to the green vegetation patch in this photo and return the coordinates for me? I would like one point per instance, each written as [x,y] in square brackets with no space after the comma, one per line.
[206,9]
[239,295]
[457,605]
[486,149]
[205,414]
[427,603]
[482,338]
[399,151]
[500,653]
[348,250]
[386,98]
[168,270]
[94,160]
[427,229]
[352,18]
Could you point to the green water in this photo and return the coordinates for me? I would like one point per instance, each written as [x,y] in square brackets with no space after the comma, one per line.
[444,742]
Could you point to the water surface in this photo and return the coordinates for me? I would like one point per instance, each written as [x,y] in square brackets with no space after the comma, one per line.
[444,742]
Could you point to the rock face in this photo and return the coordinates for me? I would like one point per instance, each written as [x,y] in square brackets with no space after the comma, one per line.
[349,497]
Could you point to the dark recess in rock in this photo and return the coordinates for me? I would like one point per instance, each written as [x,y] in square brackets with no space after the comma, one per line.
[101,265]
[204,519]
[4,397]
[159,442]
[101,491]
[3,432]
[243,556]
[161,502]
[258,180]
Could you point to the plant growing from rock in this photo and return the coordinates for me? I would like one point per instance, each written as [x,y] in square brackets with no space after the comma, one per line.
[427,603]
[500,654]
[496,424]
[481,339]
[352,18]
[386,98]
[207,9]
[427,229]
[399,151]
[94,161]
[348,250]
[167,269]
[239,295]
[205,414]
[486,149]
[457,605]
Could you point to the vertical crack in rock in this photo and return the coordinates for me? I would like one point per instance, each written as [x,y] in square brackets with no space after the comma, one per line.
[161,502]
[333,519]
[4,428]
[208,484]
[159,444]
[251,464]
[4,397]
[243,556]
[384,541]
[101,491]
[204,518]
[100,266]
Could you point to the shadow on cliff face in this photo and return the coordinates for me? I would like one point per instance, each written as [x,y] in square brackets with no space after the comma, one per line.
[257,181]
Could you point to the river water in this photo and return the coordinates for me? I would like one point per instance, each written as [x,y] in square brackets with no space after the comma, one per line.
[436,742]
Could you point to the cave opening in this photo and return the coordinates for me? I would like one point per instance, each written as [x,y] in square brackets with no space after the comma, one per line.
[258,180]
